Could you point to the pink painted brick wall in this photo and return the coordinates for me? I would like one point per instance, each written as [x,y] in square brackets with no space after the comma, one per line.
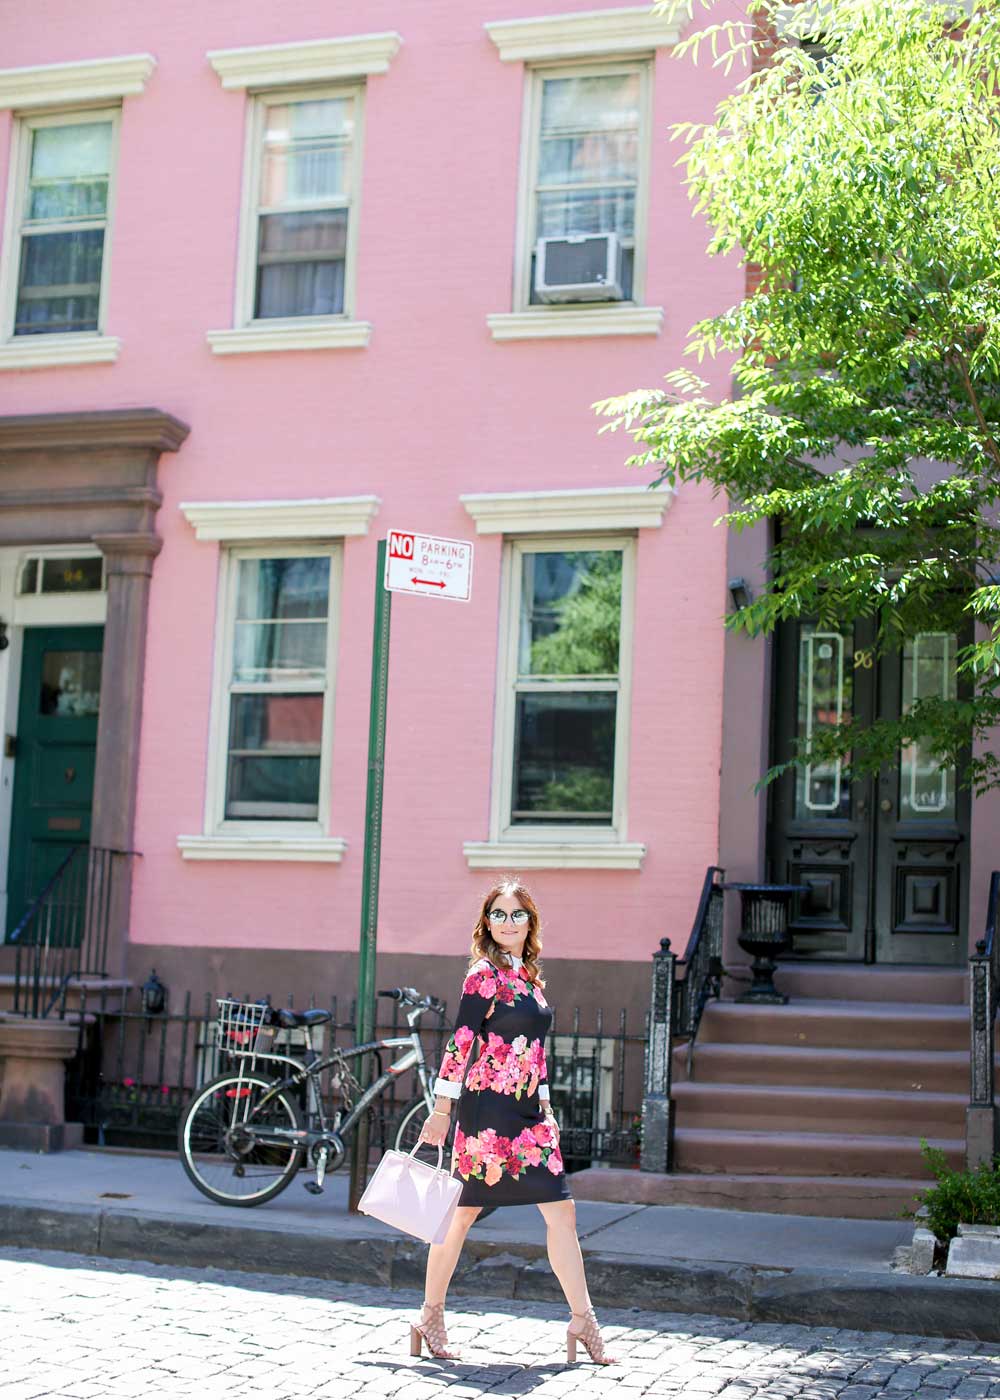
[431,409]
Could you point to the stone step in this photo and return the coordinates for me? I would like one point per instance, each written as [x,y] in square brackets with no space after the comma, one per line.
[833,1197]
[844,1024]
[102,993]
[932,1071]
[750,1153]
[861,982]
[797,1108]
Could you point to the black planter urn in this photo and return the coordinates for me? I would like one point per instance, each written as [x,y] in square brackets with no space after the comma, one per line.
[764,911]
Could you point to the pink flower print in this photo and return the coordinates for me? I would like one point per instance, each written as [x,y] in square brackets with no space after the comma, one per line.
[496,1045]
[524,1140]
[543,1134]
[533,1155]
[488,987]
[555,1162]
[473,1145]
[505,994]
[533,1085]
[493,1173]
[488,1139]
[464,1036]
[514,1166]
[519,1044]
[503,1147]
[466,1165]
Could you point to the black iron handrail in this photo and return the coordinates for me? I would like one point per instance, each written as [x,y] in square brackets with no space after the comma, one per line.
[676,1008]
[65,931]
[702,960]
[983,1137]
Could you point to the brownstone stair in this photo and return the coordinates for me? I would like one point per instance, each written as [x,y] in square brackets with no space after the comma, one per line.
[817,1107]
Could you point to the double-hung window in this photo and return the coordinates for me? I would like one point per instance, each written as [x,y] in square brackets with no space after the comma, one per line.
[63,199]
[586,167]
[587,133]
[273,729]
[565,677]
[302,220]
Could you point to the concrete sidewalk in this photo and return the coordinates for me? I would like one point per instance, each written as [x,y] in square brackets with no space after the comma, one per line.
[679,1258]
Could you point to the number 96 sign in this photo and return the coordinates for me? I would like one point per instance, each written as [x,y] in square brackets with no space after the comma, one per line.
[428,565]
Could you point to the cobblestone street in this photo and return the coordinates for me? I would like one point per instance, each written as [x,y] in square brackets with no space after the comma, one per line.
[81,1329]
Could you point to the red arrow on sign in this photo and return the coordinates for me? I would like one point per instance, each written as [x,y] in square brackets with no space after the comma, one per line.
[429,582]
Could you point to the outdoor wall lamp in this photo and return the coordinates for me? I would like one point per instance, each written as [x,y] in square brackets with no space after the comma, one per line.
[740,592]
[153,995]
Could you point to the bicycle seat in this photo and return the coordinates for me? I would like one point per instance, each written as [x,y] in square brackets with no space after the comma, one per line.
[286,1018]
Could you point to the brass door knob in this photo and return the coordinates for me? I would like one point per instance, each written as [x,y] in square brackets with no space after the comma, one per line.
[886,804]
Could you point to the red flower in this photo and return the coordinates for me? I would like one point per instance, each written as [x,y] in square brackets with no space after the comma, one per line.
[514,1164]
[128,1083]
[465,1164]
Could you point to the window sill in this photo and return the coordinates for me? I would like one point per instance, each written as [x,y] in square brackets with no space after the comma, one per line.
[49,351]
[554,855]
[257,339]
[326,849]
[575,322]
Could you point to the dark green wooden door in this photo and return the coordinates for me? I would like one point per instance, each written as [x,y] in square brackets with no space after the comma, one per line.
[56,745]
[885,858]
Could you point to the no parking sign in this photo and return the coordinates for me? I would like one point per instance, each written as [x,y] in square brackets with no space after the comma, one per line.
[428,565]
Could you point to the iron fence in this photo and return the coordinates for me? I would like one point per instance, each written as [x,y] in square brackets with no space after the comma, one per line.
[134,1073]
[983,1117]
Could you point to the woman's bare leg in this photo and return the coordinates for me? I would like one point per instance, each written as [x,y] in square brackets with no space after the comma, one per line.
[564,1252]
[442,1258]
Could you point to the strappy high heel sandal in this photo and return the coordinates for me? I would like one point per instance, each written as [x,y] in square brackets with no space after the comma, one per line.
[431,1329]
[590,1335]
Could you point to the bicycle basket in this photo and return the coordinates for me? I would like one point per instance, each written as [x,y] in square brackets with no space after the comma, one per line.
[245,1028]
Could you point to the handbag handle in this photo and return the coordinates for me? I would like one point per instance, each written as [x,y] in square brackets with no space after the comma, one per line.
[414,1150]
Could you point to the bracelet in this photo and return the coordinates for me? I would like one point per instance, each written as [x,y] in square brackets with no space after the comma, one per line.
[440,1112]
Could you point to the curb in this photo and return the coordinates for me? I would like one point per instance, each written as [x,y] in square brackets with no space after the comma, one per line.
[968,1309]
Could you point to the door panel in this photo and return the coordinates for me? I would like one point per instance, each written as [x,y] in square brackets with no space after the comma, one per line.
[884,857]
[56,748]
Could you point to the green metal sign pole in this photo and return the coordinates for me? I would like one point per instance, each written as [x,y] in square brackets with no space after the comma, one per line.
[365,1014]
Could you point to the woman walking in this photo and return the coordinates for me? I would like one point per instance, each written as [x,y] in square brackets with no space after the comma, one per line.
[506,1138]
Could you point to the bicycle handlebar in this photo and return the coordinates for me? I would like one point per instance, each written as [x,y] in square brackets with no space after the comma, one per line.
[413,997]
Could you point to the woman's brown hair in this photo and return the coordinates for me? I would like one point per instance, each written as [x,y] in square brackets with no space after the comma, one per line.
[483,945]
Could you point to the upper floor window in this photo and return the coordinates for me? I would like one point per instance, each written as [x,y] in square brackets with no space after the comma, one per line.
[63,199]
[298,251]
[584,204]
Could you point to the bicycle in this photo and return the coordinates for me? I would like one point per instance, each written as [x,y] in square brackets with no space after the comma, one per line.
[247,1134]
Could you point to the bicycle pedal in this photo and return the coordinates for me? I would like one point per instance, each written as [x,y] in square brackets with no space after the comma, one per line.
[313,1189]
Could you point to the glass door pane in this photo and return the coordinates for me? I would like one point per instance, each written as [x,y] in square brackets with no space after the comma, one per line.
[824,699]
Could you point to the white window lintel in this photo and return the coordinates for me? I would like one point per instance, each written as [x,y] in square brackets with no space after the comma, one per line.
[47,351]
[325,849]
[310,61]
[67,84]
[580,35]
[575,323]
[260,337]
[595,508]
[554,855]
[234,521]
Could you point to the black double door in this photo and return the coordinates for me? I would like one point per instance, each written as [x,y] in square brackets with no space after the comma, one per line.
[884,857]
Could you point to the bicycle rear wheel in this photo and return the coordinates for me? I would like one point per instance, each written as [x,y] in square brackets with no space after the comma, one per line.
[408,1132]
[217,1142]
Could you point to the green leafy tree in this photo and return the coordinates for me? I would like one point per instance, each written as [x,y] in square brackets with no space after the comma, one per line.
[862,179]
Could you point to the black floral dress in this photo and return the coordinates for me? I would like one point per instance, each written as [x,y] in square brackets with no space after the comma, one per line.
[506,1151]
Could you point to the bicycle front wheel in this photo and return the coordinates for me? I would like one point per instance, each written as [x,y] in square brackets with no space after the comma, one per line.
[219,1146]
[408,1132]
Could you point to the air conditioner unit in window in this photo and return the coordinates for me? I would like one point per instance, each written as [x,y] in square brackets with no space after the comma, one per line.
[579,267]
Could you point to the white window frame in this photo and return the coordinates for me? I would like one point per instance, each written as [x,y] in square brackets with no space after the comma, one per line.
[535,77]
[216,823]
[63,347]
[502,829]
[246,272]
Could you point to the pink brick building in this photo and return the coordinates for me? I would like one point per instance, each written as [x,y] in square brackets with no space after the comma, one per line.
[271,285]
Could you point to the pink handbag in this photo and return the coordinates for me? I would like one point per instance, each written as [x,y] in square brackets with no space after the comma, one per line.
[411,1196]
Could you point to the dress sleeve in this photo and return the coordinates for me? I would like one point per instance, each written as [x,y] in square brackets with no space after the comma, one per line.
[478,996]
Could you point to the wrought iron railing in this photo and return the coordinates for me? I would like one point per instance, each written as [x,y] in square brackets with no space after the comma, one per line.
[982,1120]
[66,931]
[676,1007]
[134,1073]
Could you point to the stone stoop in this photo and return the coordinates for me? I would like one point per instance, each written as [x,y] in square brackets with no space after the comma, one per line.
[102,994]
[817,1107]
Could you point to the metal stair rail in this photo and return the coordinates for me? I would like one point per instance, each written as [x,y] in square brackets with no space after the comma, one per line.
[64,933]
[676,1008]
[982,1121]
